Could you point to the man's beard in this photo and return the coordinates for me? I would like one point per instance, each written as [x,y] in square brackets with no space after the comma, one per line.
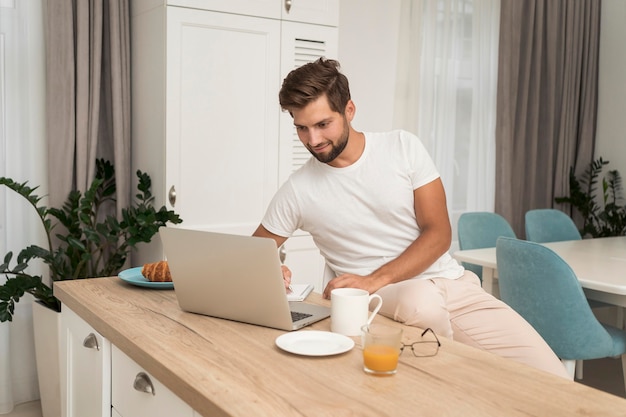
[335,150]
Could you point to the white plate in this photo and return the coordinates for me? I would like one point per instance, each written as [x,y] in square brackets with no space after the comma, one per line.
[314,343]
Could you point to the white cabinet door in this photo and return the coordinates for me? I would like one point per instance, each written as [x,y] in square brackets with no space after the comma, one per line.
[205,116]
[85,368]
[221,117]
[135,393]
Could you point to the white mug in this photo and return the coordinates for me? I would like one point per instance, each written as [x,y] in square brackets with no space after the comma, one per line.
[349,308]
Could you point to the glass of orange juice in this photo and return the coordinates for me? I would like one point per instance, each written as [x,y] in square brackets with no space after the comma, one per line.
[381,348]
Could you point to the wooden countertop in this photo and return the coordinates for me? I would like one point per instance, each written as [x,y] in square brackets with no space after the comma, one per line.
[225,368]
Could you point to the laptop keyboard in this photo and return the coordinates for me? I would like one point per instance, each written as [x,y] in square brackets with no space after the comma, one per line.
[295,316]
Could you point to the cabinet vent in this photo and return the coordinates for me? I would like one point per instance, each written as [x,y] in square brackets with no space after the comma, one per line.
[306,50]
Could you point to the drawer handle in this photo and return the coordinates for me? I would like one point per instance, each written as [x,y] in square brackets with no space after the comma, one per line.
[288,5]
[143,383]
[91,342]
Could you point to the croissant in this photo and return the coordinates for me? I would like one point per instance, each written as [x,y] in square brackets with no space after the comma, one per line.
[157,272]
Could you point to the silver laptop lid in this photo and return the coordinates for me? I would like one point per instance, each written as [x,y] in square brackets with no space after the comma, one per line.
[228,276]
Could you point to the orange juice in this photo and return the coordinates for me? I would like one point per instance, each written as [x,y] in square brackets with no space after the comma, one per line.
[380,358]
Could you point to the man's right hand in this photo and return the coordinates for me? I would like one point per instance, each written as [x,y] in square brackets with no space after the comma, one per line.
[286,276]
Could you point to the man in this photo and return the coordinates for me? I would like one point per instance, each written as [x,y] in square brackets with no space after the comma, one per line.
[376,208]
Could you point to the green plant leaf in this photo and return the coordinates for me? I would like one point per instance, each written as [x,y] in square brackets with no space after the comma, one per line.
[602,215]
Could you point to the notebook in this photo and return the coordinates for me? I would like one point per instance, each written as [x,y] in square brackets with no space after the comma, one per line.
[233,277]
[299,292]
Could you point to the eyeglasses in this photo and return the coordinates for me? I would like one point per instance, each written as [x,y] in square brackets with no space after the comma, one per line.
[423,348]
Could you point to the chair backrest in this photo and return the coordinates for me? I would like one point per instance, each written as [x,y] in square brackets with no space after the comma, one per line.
[481,229]
[550,225]
[542,288]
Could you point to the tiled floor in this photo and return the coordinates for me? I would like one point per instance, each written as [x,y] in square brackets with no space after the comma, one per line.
[603,374]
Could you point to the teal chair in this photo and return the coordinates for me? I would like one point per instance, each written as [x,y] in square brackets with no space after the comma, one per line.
[542,288]
[481,229]
[550,225]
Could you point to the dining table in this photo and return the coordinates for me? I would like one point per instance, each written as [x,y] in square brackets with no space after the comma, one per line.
[599,265]
[226,368]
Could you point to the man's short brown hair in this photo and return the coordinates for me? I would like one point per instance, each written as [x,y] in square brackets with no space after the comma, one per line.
[310,81]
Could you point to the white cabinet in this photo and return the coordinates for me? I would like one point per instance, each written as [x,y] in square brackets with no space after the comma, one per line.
[85,362]
[98,379]
[206,123]
[257,8]
[321,12]
[135,393]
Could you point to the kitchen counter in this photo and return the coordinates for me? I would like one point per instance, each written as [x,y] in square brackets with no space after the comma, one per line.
[225,368]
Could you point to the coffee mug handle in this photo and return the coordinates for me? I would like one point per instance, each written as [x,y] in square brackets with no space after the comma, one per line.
[378,306]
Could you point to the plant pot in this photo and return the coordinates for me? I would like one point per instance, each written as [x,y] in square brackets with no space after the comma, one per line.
[46,325]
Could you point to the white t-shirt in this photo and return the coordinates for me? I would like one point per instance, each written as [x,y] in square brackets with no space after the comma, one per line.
[361,216]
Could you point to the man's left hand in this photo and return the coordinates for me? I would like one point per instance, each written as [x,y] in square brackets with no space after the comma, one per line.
[365,282]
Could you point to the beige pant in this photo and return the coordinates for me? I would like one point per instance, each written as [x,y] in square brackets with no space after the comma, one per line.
[461,310]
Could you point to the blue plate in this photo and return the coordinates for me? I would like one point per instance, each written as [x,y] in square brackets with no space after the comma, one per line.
[133,276]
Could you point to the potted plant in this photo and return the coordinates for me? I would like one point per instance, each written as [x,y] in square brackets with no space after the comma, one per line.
[601,217]
[88,244]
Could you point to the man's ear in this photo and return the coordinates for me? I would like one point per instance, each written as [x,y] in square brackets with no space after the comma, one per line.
[350,110]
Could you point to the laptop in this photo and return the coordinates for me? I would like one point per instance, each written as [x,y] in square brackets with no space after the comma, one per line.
[233,277]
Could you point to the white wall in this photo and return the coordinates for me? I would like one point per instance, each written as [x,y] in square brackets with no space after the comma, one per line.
[368,44]
[611,129]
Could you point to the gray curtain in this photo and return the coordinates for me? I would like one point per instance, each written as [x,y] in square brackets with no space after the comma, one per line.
[547,101]
[87,94]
